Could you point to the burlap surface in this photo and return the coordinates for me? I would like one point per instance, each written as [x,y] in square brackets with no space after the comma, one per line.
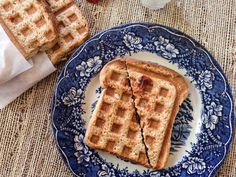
[26,143]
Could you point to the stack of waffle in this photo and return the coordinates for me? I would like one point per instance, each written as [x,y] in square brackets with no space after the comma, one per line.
[134,116]
[56,27]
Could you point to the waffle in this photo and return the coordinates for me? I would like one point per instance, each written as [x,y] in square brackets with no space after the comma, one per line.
[72,27]
[113,126]
[158,93]
[138,97]
[29,25]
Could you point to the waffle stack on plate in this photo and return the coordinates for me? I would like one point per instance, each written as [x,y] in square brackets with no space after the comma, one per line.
[113,126]
[56,27]
[152,94]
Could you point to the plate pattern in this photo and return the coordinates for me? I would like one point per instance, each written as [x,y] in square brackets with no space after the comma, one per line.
[217,117]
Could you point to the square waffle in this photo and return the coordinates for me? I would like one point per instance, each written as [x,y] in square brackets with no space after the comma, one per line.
[158,93]
[138,97]
[113,126]
[29,25]
[72,28]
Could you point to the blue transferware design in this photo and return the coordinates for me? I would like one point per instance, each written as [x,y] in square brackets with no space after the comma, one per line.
[182,128]
[217,117]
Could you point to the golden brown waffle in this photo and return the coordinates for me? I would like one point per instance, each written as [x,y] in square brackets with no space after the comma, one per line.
[158,93]
[113,126]
[29,25]
[132,87]
[72,27]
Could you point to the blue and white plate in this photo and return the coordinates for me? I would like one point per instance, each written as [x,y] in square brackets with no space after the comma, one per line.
[204,126]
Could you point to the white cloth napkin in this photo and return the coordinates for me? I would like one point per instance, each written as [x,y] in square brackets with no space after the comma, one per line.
[18,74]
[13,88]
[12,62]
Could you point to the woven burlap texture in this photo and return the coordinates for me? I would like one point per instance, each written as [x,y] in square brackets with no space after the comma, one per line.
[27,148]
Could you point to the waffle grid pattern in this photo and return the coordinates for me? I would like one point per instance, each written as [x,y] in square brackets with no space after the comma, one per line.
[115,128]
[73,30]
[29,22]
[154,105]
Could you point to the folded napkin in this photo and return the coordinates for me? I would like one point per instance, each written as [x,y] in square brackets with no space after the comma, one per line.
[12,62]
[16,73]
[13,88]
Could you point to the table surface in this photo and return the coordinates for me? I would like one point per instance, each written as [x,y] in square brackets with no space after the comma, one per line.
[27,147]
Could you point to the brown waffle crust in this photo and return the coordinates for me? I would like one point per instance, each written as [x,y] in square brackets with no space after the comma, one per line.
[29,24]
[72,29]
